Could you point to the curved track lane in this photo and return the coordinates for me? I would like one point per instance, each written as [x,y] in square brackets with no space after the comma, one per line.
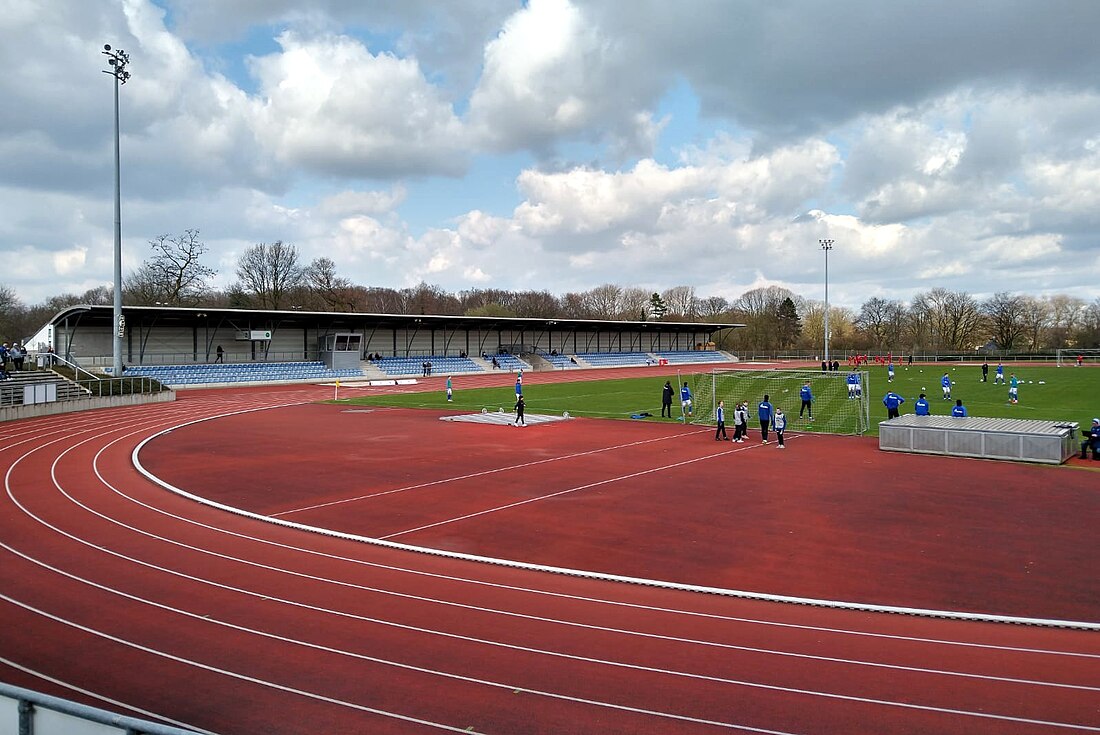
[119,594]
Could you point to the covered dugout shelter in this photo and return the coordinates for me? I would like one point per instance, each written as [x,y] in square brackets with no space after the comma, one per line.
[162,335]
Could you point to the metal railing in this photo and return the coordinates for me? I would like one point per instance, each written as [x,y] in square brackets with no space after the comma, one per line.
[66,716]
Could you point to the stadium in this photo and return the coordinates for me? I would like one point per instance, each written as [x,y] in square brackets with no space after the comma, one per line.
[330,542]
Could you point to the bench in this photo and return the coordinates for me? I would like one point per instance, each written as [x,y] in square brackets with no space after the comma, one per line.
[1023,440]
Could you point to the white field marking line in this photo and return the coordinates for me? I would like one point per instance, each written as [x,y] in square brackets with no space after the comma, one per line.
[482,473]
[80,690]
[359,656]
[834,604]
[521,649]
[578,488]
[560,595]
[495,611]
[225,672]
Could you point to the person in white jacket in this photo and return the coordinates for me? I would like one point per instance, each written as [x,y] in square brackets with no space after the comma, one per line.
[779,423]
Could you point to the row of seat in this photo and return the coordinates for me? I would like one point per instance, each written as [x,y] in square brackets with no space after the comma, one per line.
[415,365]
[240,372]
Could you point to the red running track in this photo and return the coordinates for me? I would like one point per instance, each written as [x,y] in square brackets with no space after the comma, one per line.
[119,594]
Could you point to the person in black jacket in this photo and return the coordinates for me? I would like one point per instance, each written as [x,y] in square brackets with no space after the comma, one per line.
[1091,441]
[666,399]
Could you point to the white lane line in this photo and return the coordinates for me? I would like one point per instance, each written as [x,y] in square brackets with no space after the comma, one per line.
[482,473]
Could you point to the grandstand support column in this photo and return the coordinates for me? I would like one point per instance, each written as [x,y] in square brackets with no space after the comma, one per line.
[117,59]
[826,245]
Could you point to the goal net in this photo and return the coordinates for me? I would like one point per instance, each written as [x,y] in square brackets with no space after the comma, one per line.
[1069,357]
[835,411]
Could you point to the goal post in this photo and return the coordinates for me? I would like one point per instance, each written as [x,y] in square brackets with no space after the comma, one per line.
[1068,357]
[834,411]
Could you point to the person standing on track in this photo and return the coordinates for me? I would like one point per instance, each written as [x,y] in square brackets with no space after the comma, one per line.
[519,387]
[520,421]
[720,416]
[450,394]
[764,414]
[779,423]
[807,396]
[740,418]
[666,399]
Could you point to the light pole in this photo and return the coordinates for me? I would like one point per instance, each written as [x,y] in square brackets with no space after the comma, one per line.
[117,60]
[826,245]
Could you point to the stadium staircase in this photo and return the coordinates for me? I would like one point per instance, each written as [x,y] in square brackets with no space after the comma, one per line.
[11,390]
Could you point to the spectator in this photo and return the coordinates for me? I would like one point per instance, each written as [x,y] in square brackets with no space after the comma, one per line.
[1091,441]
[958,410]
[18,354]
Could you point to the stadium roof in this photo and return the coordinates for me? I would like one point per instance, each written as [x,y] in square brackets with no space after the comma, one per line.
[102,316]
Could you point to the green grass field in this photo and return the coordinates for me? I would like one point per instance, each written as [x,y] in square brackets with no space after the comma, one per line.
[1048,392]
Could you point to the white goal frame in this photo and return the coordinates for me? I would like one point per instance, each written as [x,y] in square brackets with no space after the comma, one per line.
[1068,357]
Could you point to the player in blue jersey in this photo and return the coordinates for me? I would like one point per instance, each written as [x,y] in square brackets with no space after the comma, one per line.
[945,381]
[764,414]
[1000,376]
[890,372]
[685,400]
[720,416]
[807,396]
[892,401]
[958,410]
[855,387]
[921,407]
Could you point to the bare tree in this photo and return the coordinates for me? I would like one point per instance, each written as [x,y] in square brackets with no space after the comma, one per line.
[536,304]
[759,310]
[174,275]
[634,304]
[268,272]
[603,301]
[1005,314]
[712,307]
[1065,315]
[576,306]
[882,320]
[681,303]
[328,290]
[961,320]
[1036,320]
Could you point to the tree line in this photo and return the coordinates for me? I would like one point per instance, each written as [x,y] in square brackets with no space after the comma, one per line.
[272,276]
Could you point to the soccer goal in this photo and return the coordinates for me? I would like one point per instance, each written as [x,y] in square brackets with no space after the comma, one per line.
[1069,357]
[834,412]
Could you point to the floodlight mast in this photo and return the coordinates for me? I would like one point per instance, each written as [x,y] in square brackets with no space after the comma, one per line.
[117,59]
[826,245]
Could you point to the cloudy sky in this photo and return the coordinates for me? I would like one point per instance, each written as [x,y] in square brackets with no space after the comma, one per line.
[563,144]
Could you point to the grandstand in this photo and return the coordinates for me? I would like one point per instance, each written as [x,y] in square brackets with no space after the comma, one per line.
[682,357]
[441,365]
[250,372]
[511,362]
[558,360]
[616,359]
